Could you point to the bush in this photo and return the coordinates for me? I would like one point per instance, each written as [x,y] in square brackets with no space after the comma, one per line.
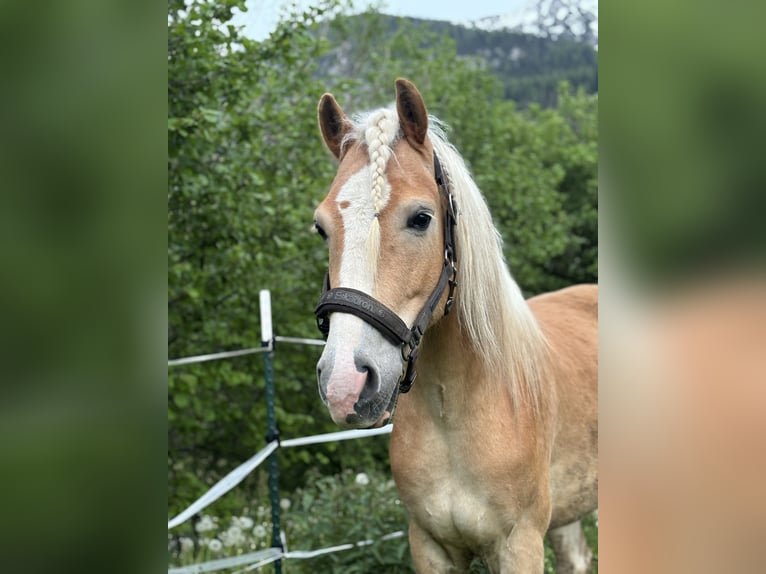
[329,511]
[348,508]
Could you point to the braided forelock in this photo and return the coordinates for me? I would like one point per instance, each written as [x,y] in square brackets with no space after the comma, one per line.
[382,128]
[380,132]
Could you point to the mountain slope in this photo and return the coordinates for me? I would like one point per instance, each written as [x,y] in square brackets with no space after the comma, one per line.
[554,19]
[529,66]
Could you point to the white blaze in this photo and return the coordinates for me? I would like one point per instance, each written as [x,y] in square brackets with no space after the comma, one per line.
[357,270]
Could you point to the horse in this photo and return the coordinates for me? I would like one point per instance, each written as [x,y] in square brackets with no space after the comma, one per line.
[495,439]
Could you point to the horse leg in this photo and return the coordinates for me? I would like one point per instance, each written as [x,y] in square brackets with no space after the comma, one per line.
[573,555]
[430,557]
[523,552]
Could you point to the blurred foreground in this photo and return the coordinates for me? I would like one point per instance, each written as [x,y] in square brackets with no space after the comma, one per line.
[683,290]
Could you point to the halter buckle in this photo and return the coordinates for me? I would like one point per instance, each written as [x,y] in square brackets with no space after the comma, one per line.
[410,374]
[409,348]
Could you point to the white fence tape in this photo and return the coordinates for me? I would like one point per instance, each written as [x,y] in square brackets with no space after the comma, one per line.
[242,352]
[299,341]
[255,560]
[257,565]
[238,474]
[224,485]
[216,356]
[303,554]
[336,436]
[261,558]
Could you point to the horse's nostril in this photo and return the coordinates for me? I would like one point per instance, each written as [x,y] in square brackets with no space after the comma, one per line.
[371,384]
[322,391]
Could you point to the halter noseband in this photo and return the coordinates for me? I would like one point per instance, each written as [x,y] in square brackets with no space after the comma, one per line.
[390,325]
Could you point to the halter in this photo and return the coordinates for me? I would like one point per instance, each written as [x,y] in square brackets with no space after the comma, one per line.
[388,323]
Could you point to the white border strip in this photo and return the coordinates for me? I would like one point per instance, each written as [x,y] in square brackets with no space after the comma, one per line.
[224,485]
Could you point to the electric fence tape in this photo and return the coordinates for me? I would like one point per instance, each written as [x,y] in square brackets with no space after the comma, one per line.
[238,474]
[254,560]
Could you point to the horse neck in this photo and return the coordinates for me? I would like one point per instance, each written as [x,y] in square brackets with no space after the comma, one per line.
[452,379]
[455,384]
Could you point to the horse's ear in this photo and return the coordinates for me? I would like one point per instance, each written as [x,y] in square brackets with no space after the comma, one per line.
[333,123]
[413,116]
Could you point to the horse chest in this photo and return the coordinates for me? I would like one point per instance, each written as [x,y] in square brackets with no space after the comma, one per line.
[458,513]
[448,495]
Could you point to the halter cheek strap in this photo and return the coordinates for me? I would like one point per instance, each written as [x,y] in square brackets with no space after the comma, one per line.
[388,323]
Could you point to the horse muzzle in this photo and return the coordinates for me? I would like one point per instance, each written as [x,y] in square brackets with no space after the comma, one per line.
[354,388]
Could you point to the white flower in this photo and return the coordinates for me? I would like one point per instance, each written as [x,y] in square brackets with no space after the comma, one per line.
[243,522]
[259,531]
[233,536]
[362,479]
[206,523]
[215,545]
[187,544]
[285,504]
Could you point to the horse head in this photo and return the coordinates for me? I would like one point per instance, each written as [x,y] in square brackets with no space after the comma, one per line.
[384,224]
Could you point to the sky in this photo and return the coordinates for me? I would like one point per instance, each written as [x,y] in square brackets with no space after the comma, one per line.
[262,15]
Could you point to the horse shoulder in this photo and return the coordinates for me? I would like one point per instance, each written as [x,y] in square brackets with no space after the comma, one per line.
[569,319]
[575,300]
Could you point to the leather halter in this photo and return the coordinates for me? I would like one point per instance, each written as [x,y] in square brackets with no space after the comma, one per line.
[388,323]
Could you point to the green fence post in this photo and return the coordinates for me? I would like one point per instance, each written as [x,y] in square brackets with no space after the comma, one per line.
[267,340]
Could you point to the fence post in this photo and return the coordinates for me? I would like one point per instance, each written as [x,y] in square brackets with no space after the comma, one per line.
[267,340]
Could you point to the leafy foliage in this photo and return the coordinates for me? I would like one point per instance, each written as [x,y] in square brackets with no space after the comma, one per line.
[349,508]
[544,198]
[242,176]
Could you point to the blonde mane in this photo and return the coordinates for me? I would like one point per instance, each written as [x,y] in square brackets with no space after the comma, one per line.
[492,310]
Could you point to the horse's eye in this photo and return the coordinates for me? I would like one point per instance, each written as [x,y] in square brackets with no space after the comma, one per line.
[320,231]
[420,221]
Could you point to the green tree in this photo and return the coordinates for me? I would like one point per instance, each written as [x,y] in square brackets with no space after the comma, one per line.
[539,172]
[244,164]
